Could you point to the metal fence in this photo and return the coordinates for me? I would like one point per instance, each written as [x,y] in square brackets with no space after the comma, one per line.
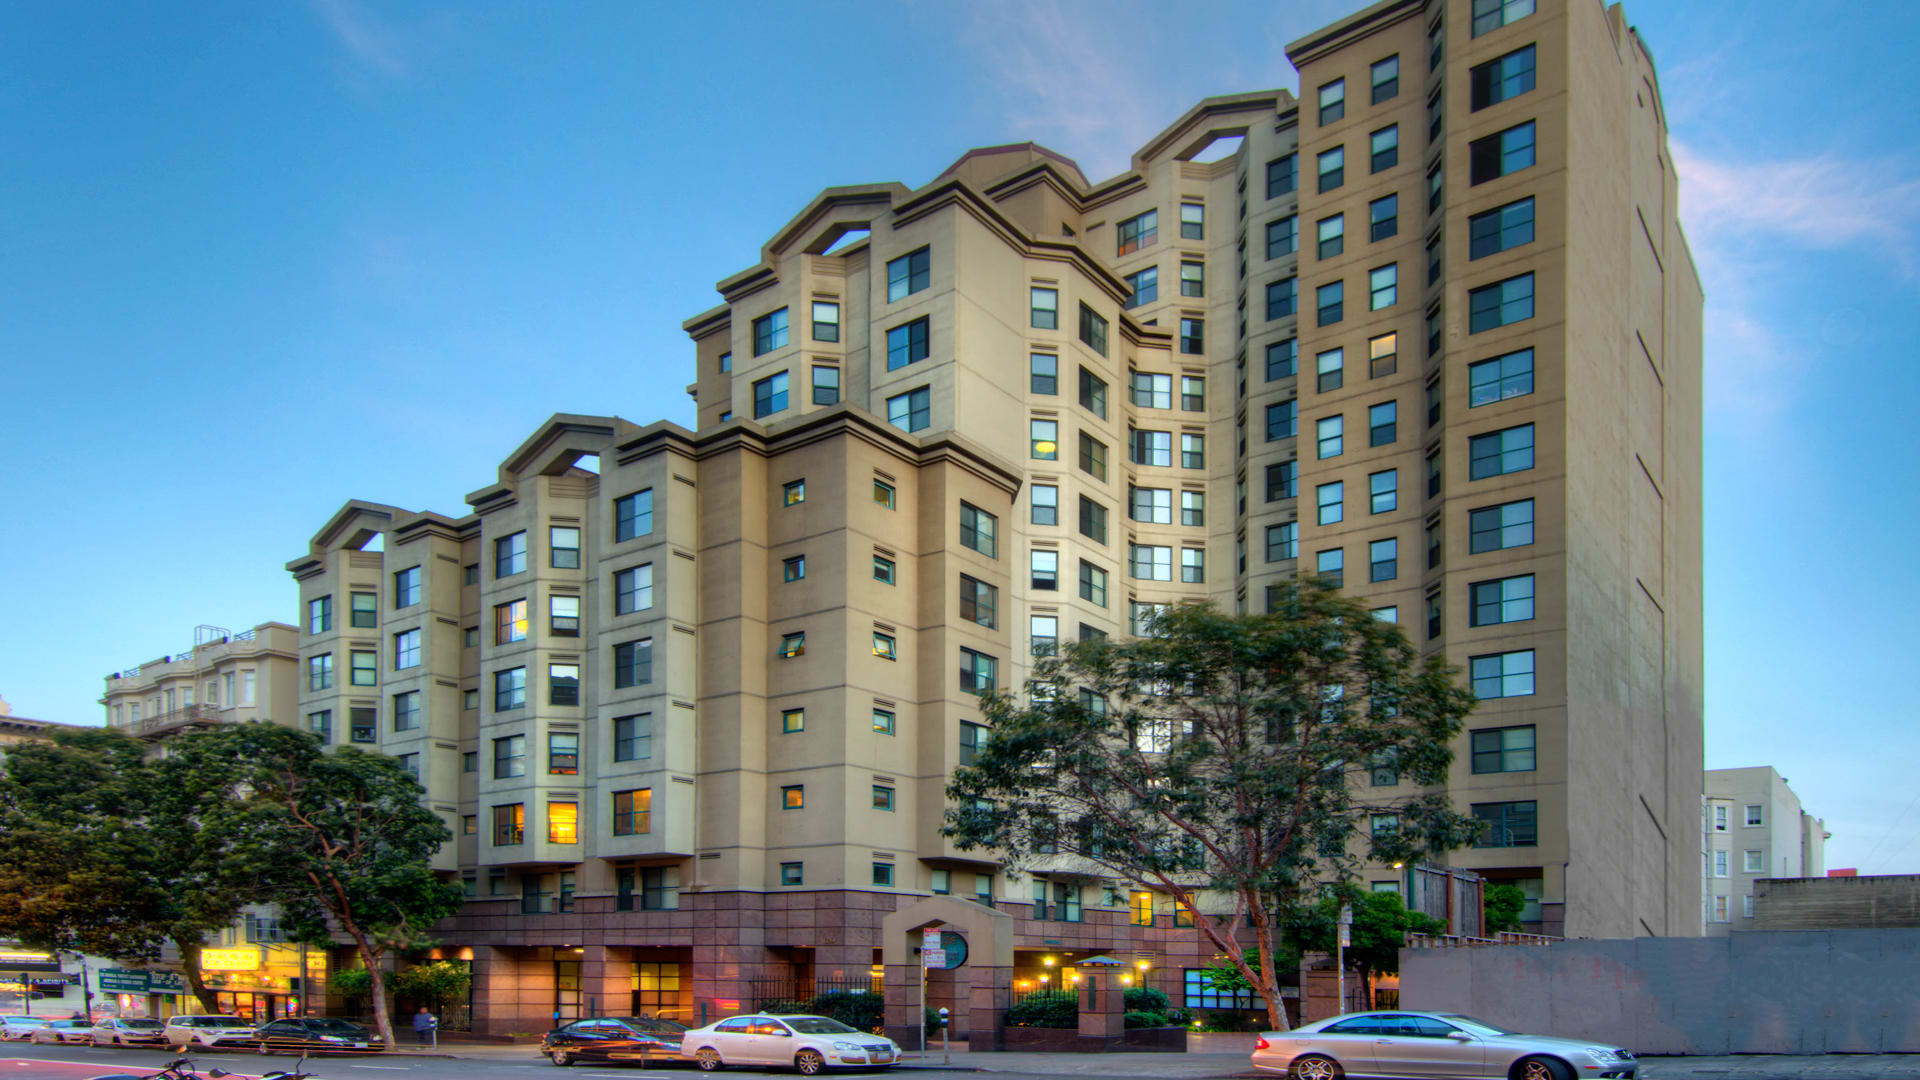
[759,995]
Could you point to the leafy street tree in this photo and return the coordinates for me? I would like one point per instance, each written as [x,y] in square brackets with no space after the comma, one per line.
[1381,924]
[1218,757]
[105,851]
[434,983]
[344,844]
[1503,905]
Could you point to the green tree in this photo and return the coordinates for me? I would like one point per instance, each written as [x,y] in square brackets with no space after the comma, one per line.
[433,984]
[1503,905]
[1218,756]
[1381,924]
[106,851]
[342,842]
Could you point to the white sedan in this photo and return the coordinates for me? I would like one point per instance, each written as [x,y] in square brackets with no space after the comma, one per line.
[1433,1046]
[809,1044]
[21,1027]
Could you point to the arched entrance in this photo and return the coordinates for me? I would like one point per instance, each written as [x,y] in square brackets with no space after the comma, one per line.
[980,987]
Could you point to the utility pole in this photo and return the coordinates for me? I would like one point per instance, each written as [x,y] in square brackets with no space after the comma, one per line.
[1340,952]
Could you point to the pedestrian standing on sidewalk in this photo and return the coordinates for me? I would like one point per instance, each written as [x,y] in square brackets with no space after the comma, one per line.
[423,1025]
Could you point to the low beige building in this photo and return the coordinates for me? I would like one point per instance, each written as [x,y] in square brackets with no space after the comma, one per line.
[225,677]
[689,699]
[1753,828]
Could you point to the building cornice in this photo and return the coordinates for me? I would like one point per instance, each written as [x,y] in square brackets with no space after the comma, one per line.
[1360,24]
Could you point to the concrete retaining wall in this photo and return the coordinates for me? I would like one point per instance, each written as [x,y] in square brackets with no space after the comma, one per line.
[1793,992]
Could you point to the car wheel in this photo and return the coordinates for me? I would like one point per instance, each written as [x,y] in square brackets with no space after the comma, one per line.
[1541,1068]
[1314,1067]
[707,1058]
[561,1058]
[809,1062]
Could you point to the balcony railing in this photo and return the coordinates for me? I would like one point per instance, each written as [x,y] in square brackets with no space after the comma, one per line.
[178,718]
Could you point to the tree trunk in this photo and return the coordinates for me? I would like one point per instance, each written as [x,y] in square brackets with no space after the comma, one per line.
[196,984]
[376,986]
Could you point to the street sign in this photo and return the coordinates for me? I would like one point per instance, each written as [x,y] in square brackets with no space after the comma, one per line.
[933,953]
[123,981]
[1346,914]
[166,982]
[1346,936]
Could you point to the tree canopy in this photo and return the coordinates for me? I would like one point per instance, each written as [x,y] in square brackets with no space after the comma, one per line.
[1220,756]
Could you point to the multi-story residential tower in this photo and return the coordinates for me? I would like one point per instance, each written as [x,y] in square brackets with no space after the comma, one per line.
[224,678]
[1754,828]
[1433,333]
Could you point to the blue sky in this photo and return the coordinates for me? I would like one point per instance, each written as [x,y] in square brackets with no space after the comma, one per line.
[263,258]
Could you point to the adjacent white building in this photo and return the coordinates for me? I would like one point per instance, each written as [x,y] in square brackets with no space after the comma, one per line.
[1753,827]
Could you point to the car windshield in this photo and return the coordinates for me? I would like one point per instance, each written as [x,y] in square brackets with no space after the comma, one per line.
[1478,1027]
[818,1025]
[335,1027]
[141,1025]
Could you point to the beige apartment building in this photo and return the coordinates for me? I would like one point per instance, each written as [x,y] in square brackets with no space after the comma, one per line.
[689,699]
[1753,828]
[226,677]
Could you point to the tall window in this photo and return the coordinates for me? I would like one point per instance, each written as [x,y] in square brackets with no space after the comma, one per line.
[406,649]
[1330,370]
[1383,424]
[406,711]
[1093,520]
[979,601]
[1383,286]
[633,663]
[363,610]
[1283,480]
[1383,491]
[1331,565]
[978,529]
[1330,236]
[1193,565]
[1093,330]
[1143,286]
[826,385]
[1496,528]
[319,673]
[1508,824]
[363,670]
[1383,148]
[510,555]
[1332,166]
[1283,236]
[563,753]
[1282,298]
[1500,154]
[509,824]
[1138,231]
[1330,436]
[908,343]
[563,616]
[770,395]
[1329,501]
[1045,503]
[406,587]
[1383,218]
[1044,308]
[1503,600]
[977,671]
[1503,675]
[1045,570]
[911,411]
[1330,300]
[320,615]
[1093,583]
[826,321]
[509,757]
[1383,560]
[509,689]
[1193,508]
[633,589]
[1093,393]
[1333,101]
[1193,451]
[563,548]
[909,274]
[1283,174]
[563,684]
[1043,440]
[1283,541]
[972,738]
[1282,359]
[1383,354]
[633,812]
[510,622]
[1043,373]
[1501,78]
[1093,456]
[770,332]
[633,737]
[633,515]
[1193,221]
[1193,279]
[1385,78]
[1497,453]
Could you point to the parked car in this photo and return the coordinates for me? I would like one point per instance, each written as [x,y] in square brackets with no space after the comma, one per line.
[22,1027]
[807,1043]
[645,1039]
[61,1031]
[1420,1045]
[323,1034]
[133,1031]
[209,1031]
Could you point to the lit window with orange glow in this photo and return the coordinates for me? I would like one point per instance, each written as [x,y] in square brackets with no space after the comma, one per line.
[563,822]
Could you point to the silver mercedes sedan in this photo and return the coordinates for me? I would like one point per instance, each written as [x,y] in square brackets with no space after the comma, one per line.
[1427,1046]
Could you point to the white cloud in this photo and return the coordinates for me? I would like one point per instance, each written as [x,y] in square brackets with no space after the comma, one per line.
[1746,222]
[372,44]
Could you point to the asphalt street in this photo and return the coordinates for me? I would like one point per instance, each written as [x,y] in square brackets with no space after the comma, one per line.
[22,1061]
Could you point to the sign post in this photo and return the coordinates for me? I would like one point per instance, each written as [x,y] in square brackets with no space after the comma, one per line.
[1340,951]
[931,956]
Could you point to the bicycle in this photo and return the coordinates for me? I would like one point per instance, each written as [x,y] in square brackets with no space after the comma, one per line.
[182,1069]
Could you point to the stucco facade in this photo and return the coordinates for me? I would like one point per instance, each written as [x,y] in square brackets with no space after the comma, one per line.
[1754,828]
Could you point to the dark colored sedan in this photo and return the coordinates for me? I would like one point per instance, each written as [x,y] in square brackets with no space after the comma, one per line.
[642,1039]
[323,1034]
